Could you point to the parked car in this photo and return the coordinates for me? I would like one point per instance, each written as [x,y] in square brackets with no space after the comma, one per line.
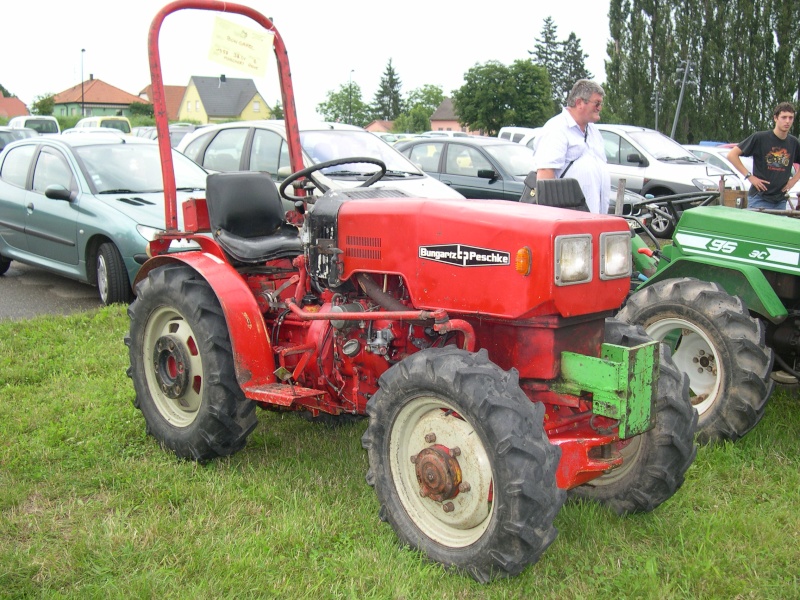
[93,131]
[9,134]
[261,146]
[474,166]
[121,123]
[486,167]
[652,163]
[85,206]
[44,124]
[521,135]
[446,133]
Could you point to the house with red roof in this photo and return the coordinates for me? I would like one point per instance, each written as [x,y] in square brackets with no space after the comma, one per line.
[94,98]
[173,94]
[12,107]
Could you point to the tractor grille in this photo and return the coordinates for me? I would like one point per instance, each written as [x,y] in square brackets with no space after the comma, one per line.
[359,246]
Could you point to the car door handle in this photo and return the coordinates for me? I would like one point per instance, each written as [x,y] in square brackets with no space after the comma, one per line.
[30,206]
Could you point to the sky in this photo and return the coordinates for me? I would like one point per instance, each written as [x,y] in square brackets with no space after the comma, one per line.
[328,43]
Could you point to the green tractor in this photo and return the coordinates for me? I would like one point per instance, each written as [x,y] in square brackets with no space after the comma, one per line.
[725,296]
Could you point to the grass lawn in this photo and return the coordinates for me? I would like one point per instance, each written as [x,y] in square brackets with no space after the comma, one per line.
[92,507]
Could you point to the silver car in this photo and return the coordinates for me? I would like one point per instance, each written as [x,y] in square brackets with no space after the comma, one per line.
[651,163]
[261,146]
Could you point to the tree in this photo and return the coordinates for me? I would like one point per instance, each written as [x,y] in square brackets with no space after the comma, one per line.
[43,105]
[141,109]
[573,65]
[428,96]
[547,54]
[277,110]
[495,95]
[345,106]
[388,103]
[419,106]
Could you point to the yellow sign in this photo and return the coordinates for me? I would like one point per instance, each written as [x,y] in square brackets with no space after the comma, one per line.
[240,47]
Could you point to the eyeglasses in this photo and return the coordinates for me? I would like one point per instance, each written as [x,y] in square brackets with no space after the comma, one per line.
[598,104]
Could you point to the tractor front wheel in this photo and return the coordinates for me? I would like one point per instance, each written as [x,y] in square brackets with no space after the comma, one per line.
[182,366]
[716,342]
[655,462]
[460,463]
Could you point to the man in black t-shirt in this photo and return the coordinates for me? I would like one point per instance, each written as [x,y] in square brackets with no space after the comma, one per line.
[774,152]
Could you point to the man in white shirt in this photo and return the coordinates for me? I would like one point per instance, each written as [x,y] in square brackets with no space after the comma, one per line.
[571,146]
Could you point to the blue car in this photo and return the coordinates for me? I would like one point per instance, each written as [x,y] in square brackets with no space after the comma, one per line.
[86,206]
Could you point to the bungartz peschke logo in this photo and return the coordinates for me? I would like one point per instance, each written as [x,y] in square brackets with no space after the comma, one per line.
[465,256]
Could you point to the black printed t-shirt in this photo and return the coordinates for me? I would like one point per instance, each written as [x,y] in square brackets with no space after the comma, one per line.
[772,160]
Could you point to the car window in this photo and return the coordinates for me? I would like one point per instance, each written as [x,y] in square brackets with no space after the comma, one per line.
[16,165]
[465,160]
[42,125]
[224,153]
[195,147]
[611,144]
[625,150]
[269,152]
[51,169]
[515,159]
[426,156]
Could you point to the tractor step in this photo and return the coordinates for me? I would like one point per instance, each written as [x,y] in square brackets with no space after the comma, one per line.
[281,394]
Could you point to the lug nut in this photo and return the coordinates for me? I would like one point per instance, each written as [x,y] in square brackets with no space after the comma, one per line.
[430,438]
[455,451]
[423,492]
[464,487]
[414,458]
[448,507]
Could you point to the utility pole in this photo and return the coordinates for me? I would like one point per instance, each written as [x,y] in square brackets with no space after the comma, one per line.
[350,98]
[83,112]
[685,69]
[656,98]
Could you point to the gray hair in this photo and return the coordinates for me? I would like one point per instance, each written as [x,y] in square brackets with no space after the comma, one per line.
[584,89]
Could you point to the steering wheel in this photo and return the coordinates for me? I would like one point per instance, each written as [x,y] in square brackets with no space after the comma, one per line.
[309,172]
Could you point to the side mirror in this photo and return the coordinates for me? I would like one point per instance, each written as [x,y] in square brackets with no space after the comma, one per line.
[58,192]
[489,174]
[635,157]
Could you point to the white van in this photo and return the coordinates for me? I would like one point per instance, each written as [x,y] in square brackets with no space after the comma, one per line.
[119,123]
[521,135]
[44,124]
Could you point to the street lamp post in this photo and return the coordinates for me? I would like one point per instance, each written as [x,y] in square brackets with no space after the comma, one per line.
[350,98]
[83,51]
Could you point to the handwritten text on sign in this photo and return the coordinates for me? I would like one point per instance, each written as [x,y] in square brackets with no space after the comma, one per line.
[240,47]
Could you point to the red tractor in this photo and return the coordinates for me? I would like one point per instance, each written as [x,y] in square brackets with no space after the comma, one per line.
[476,335]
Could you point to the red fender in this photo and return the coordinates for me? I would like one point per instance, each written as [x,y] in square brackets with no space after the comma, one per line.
[250,343]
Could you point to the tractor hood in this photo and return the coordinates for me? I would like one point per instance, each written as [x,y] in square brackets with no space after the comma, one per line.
[492,257]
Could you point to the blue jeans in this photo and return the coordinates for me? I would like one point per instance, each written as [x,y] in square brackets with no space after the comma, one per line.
[758,201]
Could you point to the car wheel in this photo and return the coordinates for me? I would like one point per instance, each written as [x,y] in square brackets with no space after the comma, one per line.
[112,276]
[4,264]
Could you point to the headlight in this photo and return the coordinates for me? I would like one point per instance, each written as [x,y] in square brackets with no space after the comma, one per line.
[615,255]
[148,233]
[573,259]
[707,185]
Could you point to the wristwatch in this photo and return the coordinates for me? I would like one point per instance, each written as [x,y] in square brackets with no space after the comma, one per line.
[748,175]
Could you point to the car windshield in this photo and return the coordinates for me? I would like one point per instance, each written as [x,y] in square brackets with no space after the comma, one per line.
[330,144]
[661,147]
[135,168]
[515,158]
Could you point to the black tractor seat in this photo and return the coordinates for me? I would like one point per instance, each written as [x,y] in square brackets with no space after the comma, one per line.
[561,193]
[247,217]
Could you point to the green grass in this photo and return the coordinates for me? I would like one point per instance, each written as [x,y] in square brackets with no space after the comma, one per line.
[92,507]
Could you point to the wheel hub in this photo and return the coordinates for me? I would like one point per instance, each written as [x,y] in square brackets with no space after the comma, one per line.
[171,366]
[438,473]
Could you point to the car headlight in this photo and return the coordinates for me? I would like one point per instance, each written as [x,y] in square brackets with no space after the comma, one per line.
[615,255]
[707,185]
[573,256]
[148,233]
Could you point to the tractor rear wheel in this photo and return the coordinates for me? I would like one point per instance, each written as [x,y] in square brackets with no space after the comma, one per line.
[716,342]
[182,366]
[655,462]
[460,463]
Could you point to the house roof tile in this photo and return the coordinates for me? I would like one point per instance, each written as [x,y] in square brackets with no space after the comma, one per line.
[226,99]
[96,91]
